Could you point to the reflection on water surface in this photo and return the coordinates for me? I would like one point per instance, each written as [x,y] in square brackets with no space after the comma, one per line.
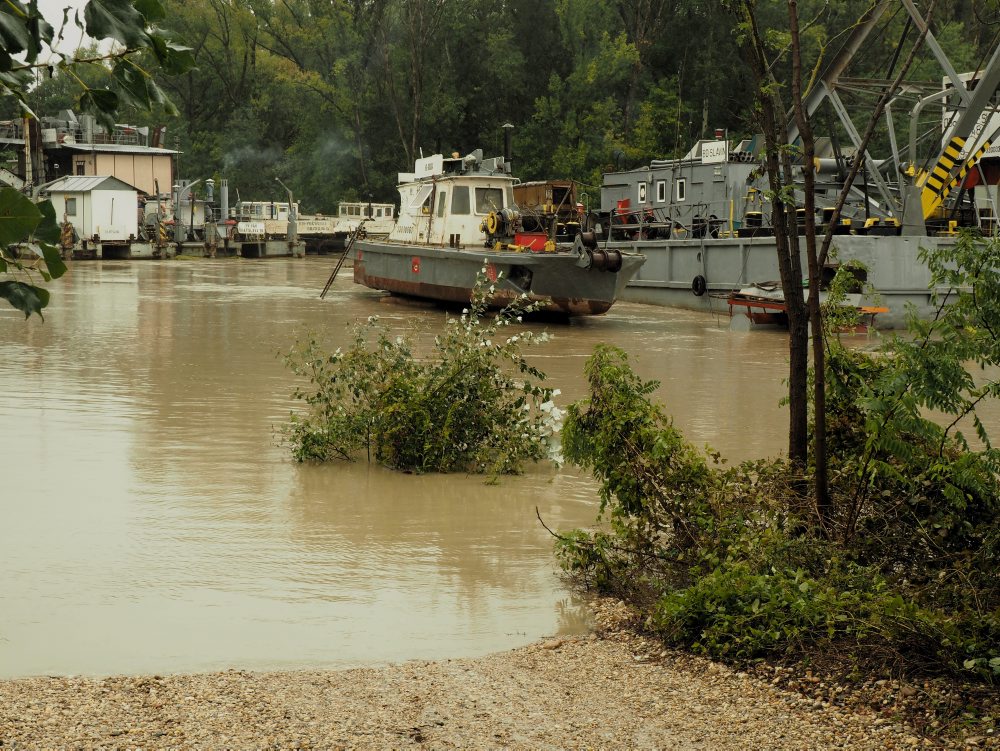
[151,523]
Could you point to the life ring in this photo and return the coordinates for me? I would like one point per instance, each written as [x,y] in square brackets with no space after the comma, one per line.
[699,286]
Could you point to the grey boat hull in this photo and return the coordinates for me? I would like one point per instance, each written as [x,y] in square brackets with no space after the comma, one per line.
[560,280]
[895,271]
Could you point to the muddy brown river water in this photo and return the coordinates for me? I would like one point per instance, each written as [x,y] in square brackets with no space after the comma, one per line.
[151,522]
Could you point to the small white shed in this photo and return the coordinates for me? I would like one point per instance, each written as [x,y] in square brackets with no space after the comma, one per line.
[99,207]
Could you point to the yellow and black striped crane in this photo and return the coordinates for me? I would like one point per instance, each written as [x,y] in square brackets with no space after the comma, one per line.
[943,179]
[950,169]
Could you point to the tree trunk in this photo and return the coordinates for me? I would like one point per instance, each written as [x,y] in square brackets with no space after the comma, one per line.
[785,224]
[821,490]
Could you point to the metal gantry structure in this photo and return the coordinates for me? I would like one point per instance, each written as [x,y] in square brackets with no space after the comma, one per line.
[910,191]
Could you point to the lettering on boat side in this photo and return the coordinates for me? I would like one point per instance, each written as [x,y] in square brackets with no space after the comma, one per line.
[491,272]
[714,152]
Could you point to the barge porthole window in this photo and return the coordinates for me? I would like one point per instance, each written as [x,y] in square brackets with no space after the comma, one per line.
[442,197]
[70,207]
[682,189]
[488,199]
[661,191]
[642,193]
[460,200]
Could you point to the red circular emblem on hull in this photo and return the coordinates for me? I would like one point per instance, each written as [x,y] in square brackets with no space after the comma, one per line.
[415,265]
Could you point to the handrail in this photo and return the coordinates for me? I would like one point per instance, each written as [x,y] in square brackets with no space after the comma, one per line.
[343,257]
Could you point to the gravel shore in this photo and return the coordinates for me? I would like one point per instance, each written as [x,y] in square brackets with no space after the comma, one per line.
[609,690]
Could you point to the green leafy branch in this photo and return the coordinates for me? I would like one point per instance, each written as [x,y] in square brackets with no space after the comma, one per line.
[24,227]
[130,24]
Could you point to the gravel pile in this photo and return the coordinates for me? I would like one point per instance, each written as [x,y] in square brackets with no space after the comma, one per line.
[611,689]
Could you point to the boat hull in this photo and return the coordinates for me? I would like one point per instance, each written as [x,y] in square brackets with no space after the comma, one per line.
[561,281]
[895,272]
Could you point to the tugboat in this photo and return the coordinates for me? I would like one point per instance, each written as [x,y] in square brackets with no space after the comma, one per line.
[457,216]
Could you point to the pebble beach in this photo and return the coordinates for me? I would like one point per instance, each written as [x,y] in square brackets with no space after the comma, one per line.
[610,689]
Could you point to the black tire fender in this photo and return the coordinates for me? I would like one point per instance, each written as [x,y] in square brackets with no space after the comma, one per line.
[699,286]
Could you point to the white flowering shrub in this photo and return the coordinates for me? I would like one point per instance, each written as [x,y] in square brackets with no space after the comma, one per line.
[475,405]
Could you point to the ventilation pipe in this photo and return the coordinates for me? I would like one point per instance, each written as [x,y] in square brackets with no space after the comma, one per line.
[508,130]
[224,199]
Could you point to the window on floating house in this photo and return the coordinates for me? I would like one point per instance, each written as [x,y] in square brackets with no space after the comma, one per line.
[442,197]
[460,200]
[488,199]
[642,193]
[70,207]
[682,189]
[661,191]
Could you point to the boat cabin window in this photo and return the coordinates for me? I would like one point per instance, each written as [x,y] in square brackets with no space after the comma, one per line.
[422,199]
[70,207]
[460,200]
[442,197]
[661,191]
[642,193]
[388,212]
[682,189]
[488,199]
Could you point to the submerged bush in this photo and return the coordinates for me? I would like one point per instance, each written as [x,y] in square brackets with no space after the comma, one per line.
[475,405]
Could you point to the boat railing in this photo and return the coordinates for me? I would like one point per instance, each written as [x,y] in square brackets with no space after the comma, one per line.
[678,220]
[743,218]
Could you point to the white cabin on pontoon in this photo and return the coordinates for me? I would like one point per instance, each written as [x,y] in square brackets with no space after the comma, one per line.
[101,208]
[263,210]
[380,217]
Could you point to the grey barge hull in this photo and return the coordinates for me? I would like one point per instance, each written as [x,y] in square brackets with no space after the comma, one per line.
[562,281]
[668,277]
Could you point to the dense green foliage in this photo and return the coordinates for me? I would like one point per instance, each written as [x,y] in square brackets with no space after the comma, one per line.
[476,405]
[733,562]
[336,98]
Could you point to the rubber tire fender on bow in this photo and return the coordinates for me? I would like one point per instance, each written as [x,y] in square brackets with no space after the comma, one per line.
[699,286]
